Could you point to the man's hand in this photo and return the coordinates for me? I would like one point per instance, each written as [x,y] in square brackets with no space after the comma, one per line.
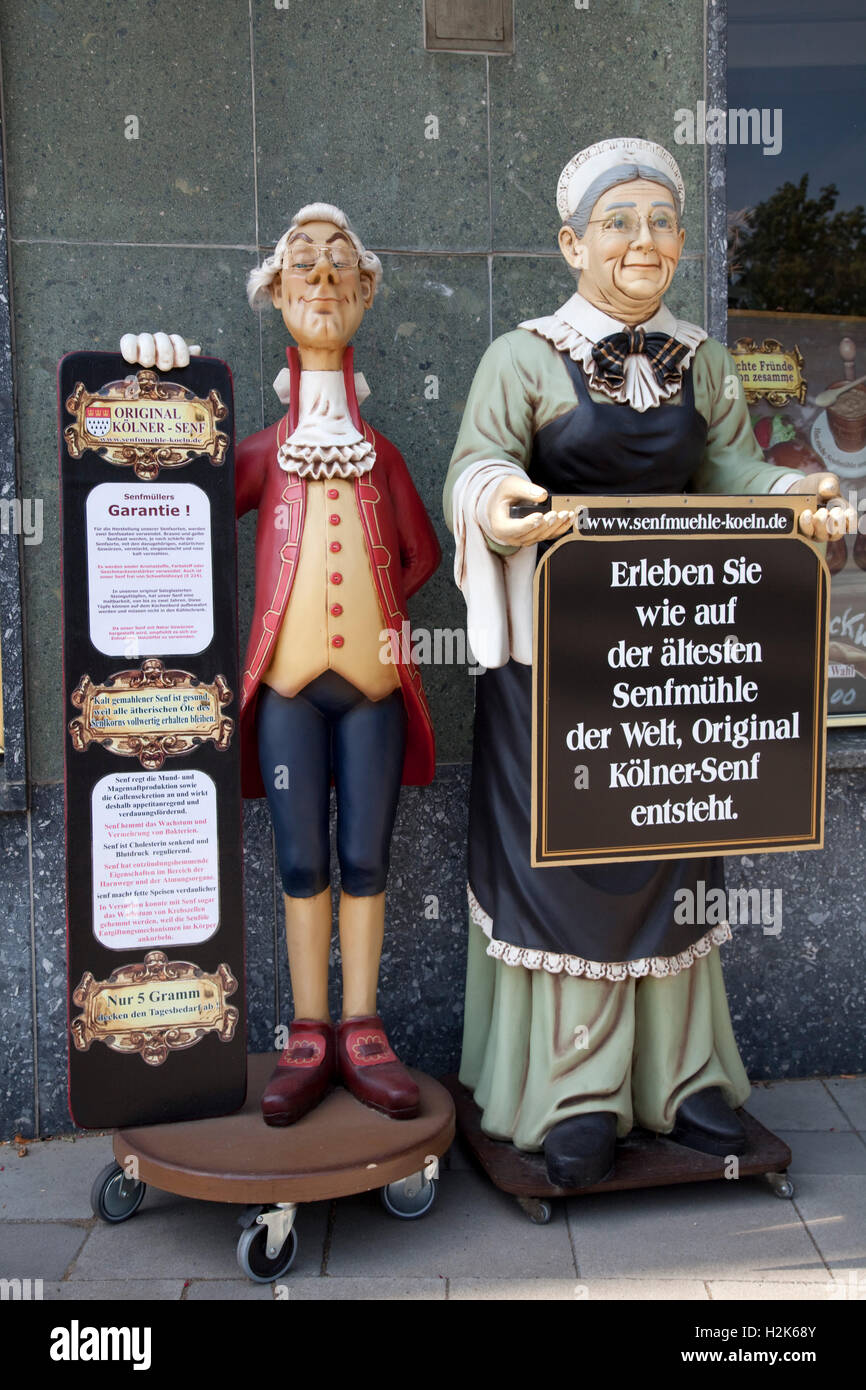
[163,350]
[834,518]
[541,526]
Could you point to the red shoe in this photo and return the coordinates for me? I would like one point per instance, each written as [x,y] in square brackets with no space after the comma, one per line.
[305,1071]
[369,1069]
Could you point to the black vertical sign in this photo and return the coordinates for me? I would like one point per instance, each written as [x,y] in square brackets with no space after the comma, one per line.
[155,940]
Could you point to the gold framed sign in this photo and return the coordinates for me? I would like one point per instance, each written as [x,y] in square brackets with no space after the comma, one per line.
[146,424]
[679,681]
[151,713]
[154,1008]
[770,372]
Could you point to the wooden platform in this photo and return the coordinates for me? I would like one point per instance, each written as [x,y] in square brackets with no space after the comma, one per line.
[642,1160]
[340,1148]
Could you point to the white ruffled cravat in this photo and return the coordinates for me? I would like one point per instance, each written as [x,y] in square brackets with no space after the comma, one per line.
[326,442]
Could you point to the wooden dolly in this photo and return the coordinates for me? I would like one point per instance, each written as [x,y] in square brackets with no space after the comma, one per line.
[642,1160]
[341,1148]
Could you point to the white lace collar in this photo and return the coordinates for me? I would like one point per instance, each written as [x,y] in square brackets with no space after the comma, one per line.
[577,325]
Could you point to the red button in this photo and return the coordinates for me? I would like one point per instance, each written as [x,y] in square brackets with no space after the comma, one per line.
[336,579]
[335,546]
[332,493]
[336,609]
[334,519]
[337,641]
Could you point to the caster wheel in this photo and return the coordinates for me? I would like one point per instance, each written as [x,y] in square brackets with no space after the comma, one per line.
[115,1197]
[253,1255]
[781,1185]
[410,1197]
[538,1211]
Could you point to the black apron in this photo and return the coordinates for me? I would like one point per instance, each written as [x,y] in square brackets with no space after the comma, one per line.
[606,912]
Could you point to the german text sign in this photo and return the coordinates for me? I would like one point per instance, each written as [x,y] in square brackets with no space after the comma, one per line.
[679,681]
[153,829]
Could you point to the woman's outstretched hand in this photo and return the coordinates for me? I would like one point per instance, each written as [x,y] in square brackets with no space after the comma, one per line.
[163,350]
[525,530]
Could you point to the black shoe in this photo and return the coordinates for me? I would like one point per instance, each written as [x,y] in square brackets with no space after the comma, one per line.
[580,1152]
[705,1121]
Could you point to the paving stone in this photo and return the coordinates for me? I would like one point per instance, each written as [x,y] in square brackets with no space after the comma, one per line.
[212,1290]
[115,1290]
[795,1105]
[576,1291]
[53,1180]
[770,1291]
[189,1240]
[848,1286]
[668,1290]
[665,1244]
[850,1093]
[705,1231]
[471,1230]
[834,1209]
[363,1290]
[38,1249]
[823,1152]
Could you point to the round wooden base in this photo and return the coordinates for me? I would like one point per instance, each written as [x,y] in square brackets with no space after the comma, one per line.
[340,1148]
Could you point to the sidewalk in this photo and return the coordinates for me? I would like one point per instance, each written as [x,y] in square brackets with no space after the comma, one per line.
[719,1240]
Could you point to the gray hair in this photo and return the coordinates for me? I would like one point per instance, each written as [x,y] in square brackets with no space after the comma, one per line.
[623,173]
[262,277]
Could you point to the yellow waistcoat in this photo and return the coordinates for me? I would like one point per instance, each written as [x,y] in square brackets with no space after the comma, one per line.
[333,618]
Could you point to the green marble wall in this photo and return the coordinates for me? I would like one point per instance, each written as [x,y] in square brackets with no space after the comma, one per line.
[248,108]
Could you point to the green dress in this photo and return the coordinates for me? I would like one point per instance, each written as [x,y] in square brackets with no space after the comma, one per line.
[542,1044]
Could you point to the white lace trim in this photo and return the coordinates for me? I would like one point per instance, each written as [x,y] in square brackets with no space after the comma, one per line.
[327,460]
[555,964]
[639,388]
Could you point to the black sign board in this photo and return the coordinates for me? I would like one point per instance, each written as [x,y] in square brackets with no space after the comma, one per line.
[155,940]
[679,681]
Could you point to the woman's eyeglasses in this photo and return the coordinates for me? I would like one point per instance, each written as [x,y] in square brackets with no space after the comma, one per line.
[628,224]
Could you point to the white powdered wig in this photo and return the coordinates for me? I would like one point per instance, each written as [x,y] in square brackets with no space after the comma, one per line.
[259,280]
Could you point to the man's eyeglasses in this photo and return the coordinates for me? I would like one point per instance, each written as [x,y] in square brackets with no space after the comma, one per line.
[302,256]
[628,224]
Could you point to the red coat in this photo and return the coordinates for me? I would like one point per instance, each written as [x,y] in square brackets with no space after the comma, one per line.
[401,543]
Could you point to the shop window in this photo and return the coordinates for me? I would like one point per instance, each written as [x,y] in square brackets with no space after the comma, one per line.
[796,180]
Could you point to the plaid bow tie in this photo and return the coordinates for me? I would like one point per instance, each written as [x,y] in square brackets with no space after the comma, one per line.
[664,355]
